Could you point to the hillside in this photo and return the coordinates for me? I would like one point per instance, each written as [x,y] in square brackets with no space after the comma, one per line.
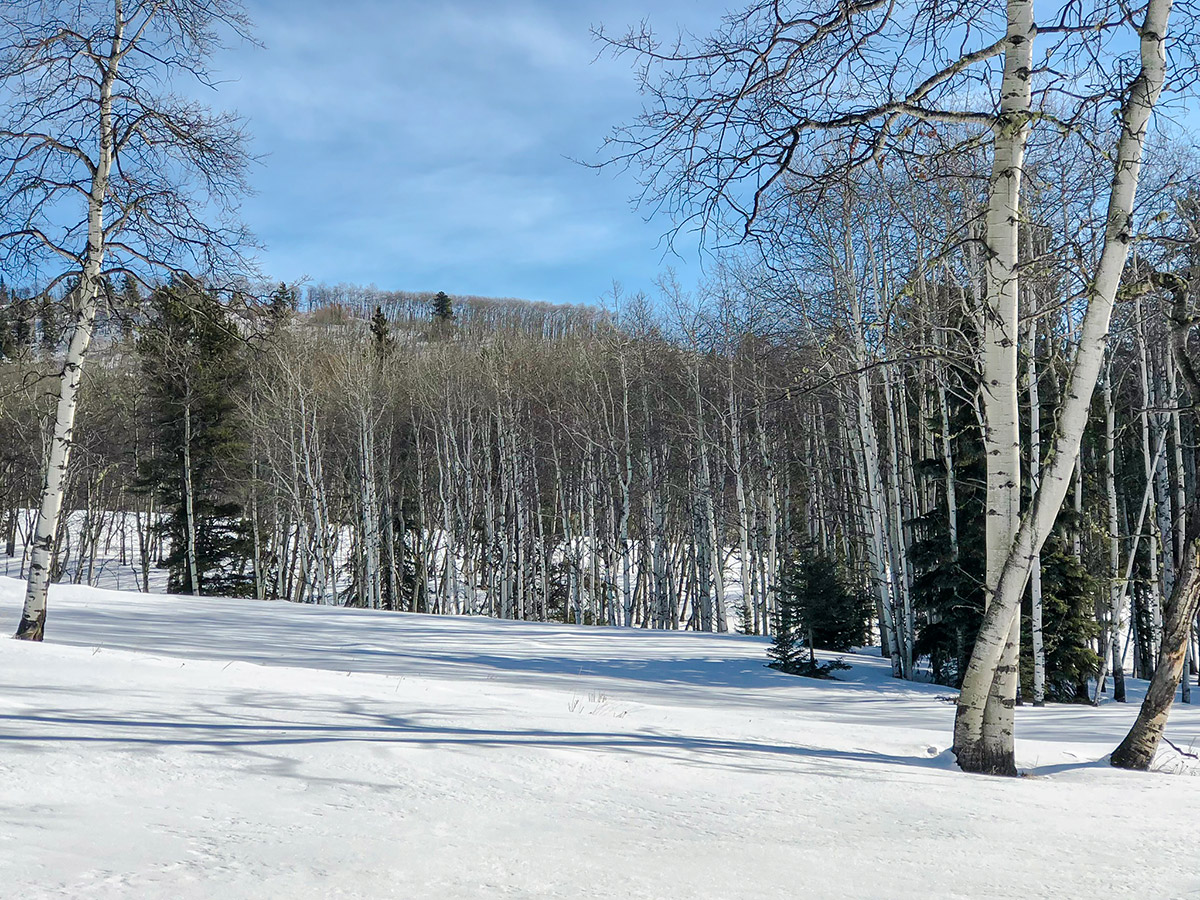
[199,748]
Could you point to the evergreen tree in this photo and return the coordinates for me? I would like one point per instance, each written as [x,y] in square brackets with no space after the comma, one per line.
[947,587]
[282,305]
[830,614]
[23,322]
[443,308]
[51,331]
[787,652]
[1069,625]
[381,332]
[193,362]
[128,305]
[745,623]
[816,609]
[8,341]
[948,582]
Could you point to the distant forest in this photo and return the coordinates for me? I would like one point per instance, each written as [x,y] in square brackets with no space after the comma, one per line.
[666,462]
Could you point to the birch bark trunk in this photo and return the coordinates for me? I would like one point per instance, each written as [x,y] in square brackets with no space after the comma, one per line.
[1035,467]
[1151,465]
[706,532]
[984,743]
[871,489]
[771,513]
[189,504]
[898,542]
[33,616]
[1180,523]
[1137,750]
[948,464]
[1117,590]
[1002,437]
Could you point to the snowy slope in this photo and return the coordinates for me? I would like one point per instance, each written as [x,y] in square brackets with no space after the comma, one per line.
[183,748]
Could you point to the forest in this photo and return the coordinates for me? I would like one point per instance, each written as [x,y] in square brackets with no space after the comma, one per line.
[666,462]
[934,392]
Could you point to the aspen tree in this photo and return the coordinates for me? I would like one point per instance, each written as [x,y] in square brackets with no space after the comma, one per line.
[84,100]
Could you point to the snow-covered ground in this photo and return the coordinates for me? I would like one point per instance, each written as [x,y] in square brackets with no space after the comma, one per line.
[114,562]
[161,747]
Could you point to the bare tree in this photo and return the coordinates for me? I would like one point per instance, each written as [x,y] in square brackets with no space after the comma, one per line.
[983,729]
[747,130]
[1137,750]
[105,169]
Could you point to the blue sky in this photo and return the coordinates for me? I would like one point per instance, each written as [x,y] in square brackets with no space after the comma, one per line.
[425,145]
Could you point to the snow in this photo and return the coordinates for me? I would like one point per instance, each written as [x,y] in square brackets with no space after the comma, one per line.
[167,747]
[115,561]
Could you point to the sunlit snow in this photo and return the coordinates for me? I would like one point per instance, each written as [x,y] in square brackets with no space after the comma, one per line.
[169,747]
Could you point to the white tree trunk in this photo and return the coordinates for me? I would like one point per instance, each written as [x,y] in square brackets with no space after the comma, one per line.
[1035,469]
[1180,530]
[899,544]
[948,462]
[1117,590]
[979,744]
[1151,465]
[771,491]
[33,616]
[189,502]
[1002,437]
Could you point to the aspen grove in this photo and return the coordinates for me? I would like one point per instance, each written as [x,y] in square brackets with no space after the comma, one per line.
[935,393]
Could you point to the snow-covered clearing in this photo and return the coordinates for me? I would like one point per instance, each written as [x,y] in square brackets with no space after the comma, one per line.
[162,747]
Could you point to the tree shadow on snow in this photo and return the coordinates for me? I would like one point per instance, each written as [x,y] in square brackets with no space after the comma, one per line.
[218,730]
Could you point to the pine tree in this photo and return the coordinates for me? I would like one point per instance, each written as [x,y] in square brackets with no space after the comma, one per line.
[786,651]
[128,305]
[443,308]
[8,341]
[1070,626]
[745,623]
[947,585]
[23,322]
[381,332]
[830,614]
[816,609]
[193,362]
[49,326]
[282,305]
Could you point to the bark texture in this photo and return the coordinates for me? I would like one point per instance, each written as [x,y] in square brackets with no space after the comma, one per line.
[983,734]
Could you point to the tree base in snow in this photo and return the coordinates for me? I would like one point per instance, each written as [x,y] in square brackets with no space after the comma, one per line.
[978,761]
[1133,755]
[1138,749]
[811,668]
[31,629]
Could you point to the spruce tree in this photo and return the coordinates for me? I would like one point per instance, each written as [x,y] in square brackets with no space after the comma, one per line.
[282,305]
[23,322]
[128,305]
[745,623]
[947,587]
[443,308]
[815,609]
[1069,625]
[831,615]
[948,582]
[381,332]
[49,328]
[192,358]
[8,341]
[786,651]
